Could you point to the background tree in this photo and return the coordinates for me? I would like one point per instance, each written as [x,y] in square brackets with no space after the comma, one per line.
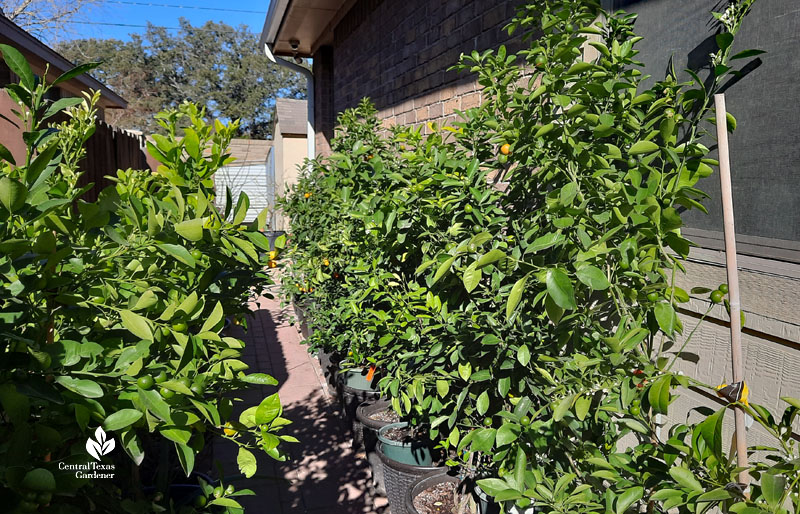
[216,65]
[48,19]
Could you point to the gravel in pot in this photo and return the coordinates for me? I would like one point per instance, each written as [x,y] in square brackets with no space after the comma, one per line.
[434,493]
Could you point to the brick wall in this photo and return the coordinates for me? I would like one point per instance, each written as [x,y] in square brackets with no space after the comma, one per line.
[398,55]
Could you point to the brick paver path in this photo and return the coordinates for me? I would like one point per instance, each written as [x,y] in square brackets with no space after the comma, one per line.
[324,473]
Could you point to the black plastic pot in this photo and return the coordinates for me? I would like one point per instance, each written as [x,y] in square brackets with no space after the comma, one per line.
[425,482]
[400,478]
[353,391]
[371,426]
[369,438]
[329,364]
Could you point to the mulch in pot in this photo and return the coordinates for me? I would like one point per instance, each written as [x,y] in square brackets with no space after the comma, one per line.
[437,499]
[387,416]
[402,434]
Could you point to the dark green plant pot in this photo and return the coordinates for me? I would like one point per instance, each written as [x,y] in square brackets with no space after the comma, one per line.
[486,505]
[413,453]
[354,389]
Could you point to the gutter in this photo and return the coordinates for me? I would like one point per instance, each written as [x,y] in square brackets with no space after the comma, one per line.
[275,15]
[310,134]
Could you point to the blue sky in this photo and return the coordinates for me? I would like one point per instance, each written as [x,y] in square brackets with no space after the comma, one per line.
[153,11]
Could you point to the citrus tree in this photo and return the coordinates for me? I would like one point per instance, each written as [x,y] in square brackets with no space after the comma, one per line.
[113,312]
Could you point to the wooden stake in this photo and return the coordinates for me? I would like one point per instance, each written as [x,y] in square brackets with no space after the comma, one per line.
[733,280]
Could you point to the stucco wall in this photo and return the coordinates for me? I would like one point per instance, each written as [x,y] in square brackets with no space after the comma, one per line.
[290,151]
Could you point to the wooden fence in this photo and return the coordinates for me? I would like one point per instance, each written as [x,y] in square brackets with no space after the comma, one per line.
[108,150]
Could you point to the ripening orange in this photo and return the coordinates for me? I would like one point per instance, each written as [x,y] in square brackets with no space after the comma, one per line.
[272,264]
[307,195]
[326,262]
[505,149]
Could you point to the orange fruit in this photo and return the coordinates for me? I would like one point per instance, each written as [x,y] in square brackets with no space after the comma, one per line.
[273,254]
[229,431]
[272,264]
[505,149]
[326,262]
[307,195]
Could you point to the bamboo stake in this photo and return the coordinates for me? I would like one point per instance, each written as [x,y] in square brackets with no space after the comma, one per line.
[733,280]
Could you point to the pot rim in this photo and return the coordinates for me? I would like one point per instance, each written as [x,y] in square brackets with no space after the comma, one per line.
[406,468]
[424,482]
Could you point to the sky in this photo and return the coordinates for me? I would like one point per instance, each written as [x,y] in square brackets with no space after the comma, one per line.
[139,12]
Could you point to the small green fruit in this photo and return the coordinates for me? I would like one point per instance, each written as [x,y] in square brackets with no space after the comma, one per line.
[146,382]
[218,492]
[230,489]
[525,421]
[652,296]
[468,208]
[179,327]
[717,296]
[487,422]
[161,377]
[39,479]
[196,254]
[200,501]
[723,288]
[166,393]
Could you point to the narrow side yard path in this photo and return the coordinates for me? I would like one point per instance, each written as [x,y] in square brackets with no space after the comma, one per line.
[324,473]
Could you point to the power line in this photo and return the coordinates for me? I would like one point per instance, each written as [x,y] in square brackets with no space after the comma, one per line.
[153,26]
[177,6]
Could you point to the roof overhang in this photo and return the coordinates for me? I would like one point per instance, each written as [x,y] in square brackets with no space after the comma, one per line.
[38,55]
[308,22]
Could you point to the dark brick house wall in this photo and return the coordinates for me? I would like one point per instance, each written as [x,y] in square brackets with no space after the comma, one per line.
[398,53]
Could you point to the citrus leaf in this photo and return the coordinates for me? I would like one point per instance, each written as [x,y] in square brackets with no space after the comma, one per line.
[136,325]
[559,287]
[515,296]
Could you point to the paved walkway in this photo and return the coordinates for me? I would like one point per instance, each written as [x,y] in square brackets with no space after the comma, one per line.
[324,474]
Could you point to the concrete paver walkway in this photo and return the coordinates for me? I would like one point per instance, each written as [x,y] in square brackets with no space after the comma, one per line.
[324,473]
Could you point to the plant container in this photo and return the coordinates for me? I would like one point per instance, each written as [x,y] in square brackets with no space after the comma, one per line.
[399,478]
[369,438]
[355,389]
[424,482]
[413,453]
[486,505]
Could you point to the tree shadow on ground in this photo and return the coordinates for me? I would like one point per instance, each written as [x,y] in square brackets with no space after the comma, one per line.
[323,473]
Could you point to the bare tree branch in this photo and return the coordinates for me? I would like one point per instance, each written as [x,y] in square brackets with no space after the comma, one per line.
[47,19]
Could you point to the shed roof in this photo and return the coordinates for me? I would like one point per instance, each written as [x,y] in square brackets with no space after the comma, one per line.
[39,54]
[249,151]
[291,116]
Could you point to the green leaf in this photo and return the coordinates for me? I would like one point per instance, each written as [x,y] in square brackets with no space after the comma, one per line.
[191,229]
[724,40]
[121,419]
[464,370]
[716,495]
[593,277]
[559,287]
[192,143]
[186,457]
[242,204]
[562,407]
[225,502]
[12,194]
[665,315]
[60,105]
[685,478]
[247,462]
[507,433]
[74,72]
[582,405]
[259,379]
[6,154]
[86,388]
[490,257]
[442,387]
[213,319]
[482,404]
[544,242]
[443,268]
[643,147]
[658,394]
[627,498]
[472,277]
[268,409]
[523,355]
[155,404]
[136,325]
[179,252]
[19,65]
[515,296]
[773,487]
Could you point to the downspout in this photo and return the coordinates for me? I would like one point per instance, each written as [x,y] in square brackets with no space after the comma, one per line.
[310,134]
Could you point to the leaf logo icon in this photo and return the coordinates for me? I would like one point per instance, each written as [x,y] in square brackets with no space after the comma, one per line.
[101,445]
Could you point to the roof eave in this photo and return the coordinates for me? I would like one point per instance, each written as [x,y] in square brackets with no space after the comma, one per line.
[26,43]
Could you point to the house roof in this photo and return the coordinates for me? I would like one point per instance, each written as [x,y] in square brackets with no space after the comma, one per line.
[310,22]
[291,116]
[249,151]
[38,55]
